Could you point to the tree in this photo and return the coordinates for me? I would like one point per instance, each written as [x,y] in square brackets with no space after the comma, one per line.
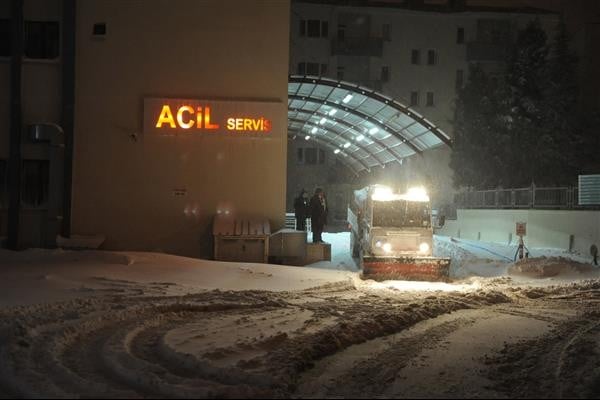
[478,144]
[562,119]
[532,148]
[525,128]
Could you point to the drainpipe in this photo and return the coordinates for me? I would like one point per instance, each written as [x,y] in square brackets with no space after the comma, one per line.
[14,161]
[68,107]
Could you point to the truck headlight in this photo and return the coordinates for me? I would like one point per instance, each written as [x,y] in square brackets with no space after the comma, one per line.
[424,247]
[387,247]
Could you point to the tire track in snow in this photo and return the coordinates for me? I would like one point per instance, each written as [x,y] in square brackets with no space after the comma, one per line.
[124,347]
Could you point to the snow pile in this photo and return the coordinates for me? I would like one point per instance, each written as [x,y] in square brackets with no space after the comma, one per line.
[468,260]
[545,267]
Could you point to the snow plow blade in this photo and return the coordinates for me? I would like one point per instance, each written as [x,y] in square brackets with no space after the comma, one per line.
[406,268]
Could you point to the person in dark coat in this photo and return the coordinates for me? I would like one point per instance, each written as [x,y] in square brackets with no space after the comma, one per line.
[318,212]
[301,210]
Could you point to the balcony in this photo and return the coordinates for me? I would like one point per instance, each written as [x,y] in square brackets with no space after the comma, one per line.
[481,51]
[357,46]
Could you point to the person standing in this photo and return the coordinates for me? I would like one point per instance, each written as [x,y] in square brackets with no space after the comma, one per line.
[301,210]
[318,212]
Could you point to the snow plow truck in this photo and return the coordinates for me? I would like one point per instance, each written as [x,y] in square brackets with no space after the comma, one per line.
[392,235]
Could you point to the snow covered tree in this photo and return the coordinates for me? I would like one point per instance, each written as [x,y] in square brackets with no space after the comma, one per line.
[562,119]
[479,147]
[523,128]
[532,147]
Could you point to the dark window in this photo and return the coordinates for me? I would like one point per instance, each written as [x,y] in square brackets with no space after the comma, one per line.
[460,35]
[305,68]
[5,35]
[386,32]
[3,181]
[99,29]
[312,68]
[385,74]
[41,39]
[300,156]
[414,98]
[301,68]
[340,72]
[310,155]
[323,69]
[321,156]
[415,57]
[431,57]
[324,29]
[313,28]
[341,32]
[460,78]
[429,99]
[34,183]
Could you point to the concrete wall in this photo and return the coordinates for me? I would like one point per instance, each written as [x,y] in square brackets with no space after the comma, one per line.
[190,49]
[545,228]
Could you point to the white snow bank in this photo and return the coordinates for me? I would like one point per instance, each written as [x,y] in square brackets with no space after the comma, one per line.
[40,275]
[545,267]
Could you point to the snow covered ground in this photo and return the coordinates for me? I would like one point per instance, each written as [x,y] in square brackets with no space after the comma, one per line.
[127,324]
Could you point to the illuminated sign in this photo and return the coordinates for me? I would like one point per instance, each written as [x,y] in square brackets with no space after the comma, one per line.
[183,116]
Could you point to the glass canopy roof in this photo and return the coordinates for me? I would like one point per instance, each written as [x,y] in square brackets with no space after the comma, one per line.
[363,127]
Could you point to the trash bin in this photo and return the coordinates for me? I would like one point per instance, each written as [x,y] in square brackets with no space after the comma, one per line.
[241,239]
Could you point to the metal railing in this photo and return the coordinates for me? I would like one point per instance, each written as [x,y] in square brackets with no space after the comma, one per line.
[290,222]
[530,197]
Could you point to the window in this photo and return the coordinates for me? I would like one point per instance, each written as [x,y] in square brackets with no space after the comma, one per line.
[308,68]
[300,156]
[5,36]
[34,183]
[3,181]
[340,72]
[460,35]
[386,32]
[385,74]
[323,69]
[312,68]
[430,99]
[314,28]
[310,155]
[301,68]
[341,33]
[415,57]
[460,78]
[431,57]
[414,98]
[41,39]
[324,29]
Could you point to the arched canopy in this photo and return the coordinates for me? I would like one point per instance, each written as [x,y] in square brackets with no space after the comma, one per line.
[364,127]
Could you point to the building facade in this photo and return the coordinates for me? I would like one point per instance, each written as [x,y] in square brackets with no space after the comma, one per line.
[418,55]
[179,113]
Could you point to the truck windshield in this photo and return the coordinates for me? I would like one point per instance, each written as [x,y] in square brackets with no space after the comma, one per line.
[401,213]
